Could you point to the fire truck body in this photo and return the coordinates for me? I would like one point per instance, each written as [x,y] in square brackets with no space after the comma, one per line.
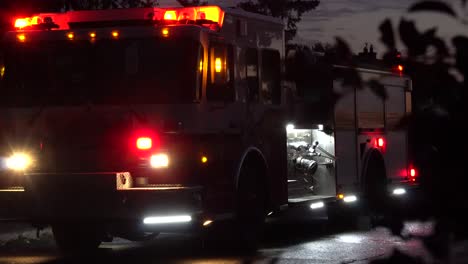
[354,148]
[124,115]
[168,119]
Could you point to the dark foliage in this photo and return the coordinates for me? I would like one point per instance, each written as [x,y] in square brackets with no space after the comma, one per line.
[191,2]
[439,104]
[436,6]
[290,10]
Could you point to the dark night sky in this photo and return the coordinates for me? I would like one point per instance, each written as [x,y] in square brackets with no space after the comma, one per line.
[357,21]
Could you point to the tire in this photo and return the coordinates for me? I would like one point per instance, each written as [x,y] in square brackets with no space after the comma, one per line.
[76,239]
[375,187]
[375,181]
[247,228]
[251,207]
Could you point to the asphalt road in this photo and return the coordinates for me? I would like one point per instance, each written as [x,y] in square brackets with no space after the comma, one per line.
[290,242]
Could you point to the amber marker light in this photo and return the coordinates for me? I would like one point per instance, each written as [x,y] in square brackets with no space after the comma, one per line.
[21,37]
[218,65]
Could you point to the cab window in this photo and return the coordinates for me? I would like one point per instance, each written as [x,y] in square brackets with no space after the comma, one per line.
[252,74]
[270,89]
[220,73]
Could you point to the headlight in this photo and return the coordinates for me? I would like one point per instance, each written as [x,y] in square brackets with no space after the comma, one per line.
[159,161]
[18,161]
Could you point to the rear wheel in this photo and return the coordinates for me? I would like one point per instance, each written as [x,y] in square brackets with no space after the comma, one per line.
[375,187]
[76,238]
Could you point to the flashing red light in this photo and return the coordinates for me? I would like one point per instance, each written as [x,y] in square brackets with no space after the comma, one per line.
[413,172]
[400,68]
[381,142]
[27,21]
[170,15]
[144,143]
[21,23]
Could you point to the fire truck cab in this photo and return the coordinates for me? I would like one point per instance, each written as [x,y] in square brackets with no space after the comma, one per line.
[132,122]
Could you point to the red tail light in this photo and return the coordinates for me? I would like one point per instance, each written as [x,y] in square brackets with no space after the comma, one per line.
[379,143]
[144,140]
[144,143]
[413,174]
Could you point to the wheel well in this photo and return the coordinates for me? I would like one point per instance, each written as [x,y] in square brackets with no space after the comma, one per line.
[253,157]
[373,169]
[373,157]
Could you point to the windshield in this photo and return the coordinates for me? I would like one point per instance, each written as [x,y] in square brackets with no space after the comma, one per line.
[127,71]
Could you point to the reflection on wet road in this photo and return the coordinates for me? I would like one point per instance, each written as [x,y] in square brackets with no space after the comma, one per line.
[309,242]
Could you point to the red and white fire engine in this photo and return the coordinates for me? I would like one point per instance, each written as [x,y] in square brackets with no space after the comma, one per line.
[131,122]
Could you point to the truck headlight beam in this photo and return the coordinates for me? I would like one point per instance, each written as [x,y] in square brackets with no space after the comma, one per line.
[18,162]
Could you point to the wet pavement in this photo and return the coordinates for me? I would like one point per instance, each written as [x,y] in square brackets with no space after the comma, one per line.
[303,242]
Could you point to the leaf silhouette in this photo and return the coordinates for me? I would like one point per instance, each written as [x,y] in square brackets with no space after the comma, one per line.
[417,42]
[430,39]
[349,78]
[343,51]
[411,38]
[378,89]
[387,37]
[461,43]
[432,6]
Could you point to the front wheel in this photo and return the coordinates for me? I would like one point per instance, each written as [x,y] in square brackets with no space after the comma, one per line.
[251,207]
[76,238]
[246,229]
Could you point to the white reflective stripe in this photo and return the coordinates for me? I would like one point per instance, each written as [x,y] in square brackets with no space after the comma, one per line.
[167,219]
[317,205]
[350,199]
[399,191]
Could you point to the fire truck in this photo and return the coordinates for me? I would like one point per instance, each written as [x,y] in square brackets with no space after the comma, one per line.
[131,122]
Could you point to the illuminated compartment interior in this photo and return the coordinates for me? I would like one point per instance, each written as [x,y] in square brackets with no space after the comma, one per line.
[311,162]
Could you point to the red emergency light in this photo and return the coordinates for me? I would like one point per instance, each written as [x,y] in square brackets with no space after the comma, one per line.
[201,15]
[144,143]
[379,143]
[26,22]
[144,140]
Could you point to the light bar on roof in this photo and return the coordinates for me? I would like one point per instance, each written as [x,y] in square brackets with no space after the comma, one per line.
[202,14]
[27,22]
